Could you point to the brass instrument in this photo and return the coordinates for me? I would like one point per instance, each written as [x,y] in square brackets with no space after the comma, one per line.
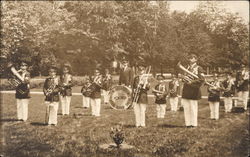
[16,80]
[143,81]
[51,88]
[98,80]
[229,86]
[65,81]
[189,77]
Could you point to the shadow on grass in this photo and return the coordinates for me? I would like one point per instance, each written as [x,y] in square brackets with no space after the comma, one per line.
[38,124]
[129,126]
[170,126]
[9,120]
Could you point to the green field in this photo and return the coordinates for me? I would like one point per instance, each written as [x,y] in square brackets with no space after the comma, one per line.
[79,134]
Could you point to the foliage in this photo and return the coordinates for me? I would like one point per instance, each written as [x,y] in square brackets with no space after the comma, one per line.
[97,32]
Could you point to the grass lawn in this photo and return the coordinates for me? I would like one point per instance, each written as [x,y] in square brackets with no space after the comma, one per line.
[79,134]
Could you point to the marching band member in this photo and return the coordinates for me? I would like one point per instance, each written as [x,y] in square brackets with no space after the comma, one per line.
[191,93]
[228,92]
[23,92]
[243,86]
[139,96]
[95,97]
[174,88]
[214,97]
[86,92]
[107,82]
[65,84]
[51,92]
[126,74]
[160,92]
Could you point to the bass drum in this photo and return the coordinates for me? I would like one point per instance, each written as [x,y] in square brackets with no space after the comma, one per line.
[120,97]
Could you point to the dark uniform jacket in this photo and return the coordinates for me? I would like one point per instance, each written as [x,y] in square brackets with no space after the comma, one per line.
[192,90]
[214,94]
[242,81]
[107,82]
[86,90]
[65,90]
[126,76]
[229,86]
[174,88]
[96,89]
[160,99]
[54,96]
[143,98]
[23,90]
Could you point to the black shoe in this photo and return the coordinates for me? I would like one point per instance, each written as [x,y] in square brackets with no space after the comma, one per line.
[189,126]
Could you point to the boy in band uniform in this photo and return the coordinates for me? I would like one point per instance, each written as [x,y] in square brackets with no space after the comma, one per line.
[107,83]
[214,97]
[140,104]
[23,92]
[65,84]
[95,97]
[191,93]
[174,88]
[86,92]
[229,89]
[160,92]
[243,86]
[51,92]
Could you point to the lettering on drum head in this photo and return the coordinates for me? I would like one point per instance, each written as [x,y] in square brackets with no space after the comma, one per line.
[120,97]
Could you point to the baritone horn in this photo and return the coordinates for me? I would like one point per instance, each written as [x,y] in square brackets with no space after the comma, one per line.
[188,76]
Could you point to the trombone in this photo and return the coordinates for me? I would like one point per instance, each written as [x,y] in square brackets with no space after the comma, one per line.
[141,85]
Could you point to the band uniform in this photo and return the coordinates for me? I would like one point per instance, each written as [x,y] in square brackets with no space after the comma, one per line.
[51,92]
[141,103]
[22,91]
[214,97]
[86,92]
[228,92]
[95,96]
[191,93]
[242,86]
[160,91]
[65,84]
[174,89]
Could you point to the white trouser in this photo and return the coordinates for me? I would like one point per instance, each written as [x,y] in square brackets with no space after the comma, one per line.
[161,110]
[65,102]
[228,104]
[243,96]
[95,106]
[190,111]
[106,96]
[214,109]
[51,111]
[173,103]
[139,110]
[85,101]
[22,109]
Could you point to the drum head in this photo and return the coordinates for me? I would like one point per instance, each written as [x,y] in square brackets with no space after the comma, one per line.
[120,97]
